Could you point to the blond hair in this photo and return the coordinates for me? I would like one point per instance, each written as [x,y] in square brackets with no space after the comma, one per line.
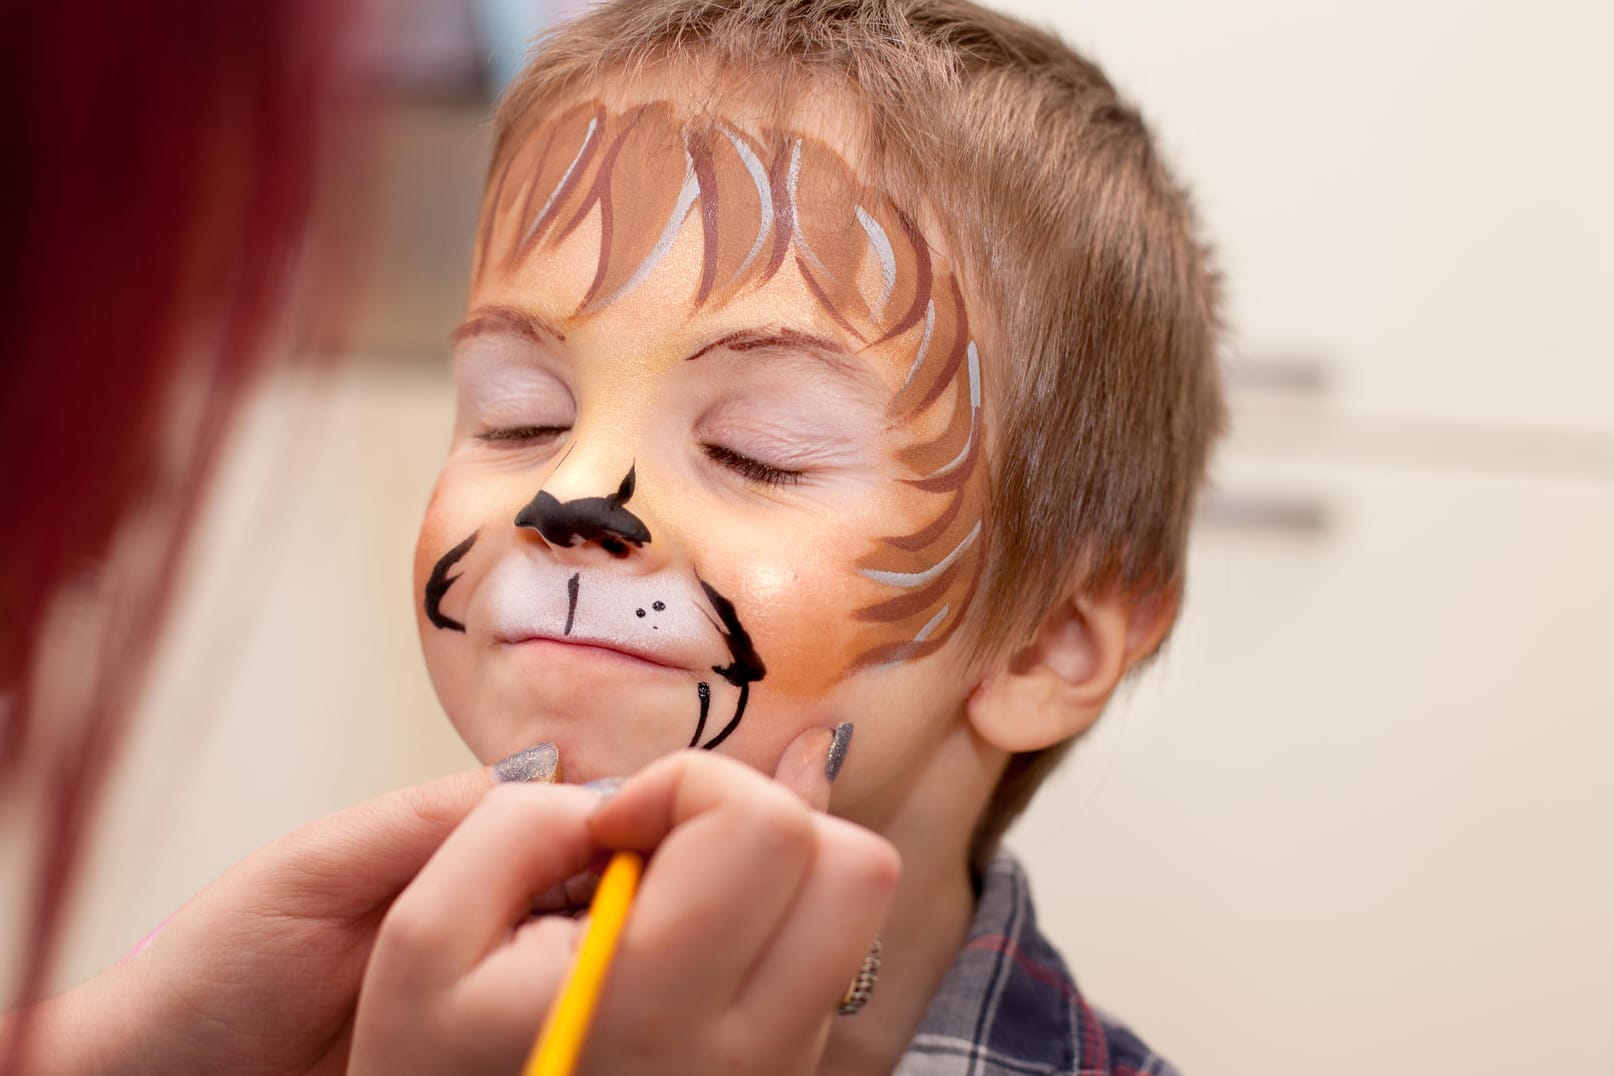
[1078,251]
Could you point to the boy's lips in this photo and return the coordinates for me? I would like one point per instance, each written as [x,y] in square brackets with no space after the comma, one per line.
[532,603]
[605,647]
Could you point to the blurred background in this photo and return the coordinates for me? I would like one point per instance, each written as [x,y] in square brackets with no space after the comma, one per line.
[1361,814]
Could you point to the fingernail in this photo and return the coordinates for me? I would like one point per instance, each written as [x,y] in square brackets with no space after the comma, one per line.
[540,763]
[605,786]
[837,751]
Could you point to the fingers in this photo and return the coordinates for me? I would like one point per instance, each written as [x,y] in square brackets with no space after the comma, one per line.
[755,911]
[811,763]
[772,903]
[731,849]
[461,973]
[823,939]
[482,882]
[356,860]
[502,1003]
[801,768]
[826,934]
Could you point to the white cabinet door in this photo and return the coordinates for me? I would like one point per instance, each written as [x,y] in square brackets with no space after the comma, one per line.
[1360,818]
[1415,196]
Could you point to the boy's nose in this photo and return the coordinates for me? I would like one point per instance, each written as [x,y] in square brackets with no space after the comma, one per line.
[604,522]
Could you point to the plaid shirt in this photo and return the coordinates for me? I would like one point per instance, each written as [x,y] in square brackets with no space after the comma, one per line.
[1008,1007]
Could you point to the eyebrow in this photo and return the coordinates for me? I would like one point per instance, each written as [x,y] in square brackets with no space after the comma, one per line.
[832,352]
[509,319]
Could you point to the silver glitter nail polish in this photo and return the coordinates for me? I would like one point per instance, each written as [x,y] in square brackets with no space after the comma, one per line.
[837,751]
[540,763]
[605,786]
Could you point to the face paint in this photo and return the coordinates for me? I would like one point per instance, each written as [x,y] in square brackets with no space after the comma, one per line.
[744,668]
[703,692]
[572,586]
[688,629]
[763,200]
[784,369]
[589,519]
[439,582]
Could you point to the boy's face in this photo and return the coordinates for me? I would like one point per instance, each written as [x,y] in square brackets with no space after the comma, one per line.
[718,460]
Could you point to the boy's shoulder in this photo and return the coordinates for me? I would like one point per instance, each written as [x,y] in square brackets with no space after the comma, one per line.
[1009,1006]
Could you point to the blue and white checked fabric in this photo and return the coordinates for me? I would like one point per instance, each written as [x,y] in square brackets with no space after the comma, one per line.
[1008,1006]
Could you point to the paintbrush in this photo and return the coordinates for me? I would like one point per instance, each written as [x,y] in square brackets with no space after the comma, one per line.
[564,1032]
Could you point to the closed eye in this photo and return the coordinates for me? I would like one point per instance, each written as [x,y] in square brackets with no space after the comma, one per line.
[751,469]
[521,435]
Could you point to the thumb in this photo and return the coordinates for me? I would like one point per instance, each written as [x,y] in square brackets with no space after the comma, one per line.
[355,860]
[813,761]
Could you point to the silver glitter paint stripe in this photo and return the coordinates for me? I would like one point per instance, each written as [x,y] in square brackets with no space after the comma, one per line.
[795,211]
[975,409]
[686,200]
[759,177]
[924,346]
[588,140]
[930,626]
[882,250]
[924,633]
[910,580]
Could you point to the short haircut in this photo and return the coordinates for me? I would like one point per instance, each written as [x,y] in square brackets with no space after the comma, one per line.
[1096,302]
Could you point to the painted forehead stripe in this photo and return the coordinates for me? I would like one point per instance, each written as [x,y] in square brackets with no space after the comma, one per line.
[579,159]
[764,195]
[806,199]
[570,179]
[687,194]
[644,171]
[881,245]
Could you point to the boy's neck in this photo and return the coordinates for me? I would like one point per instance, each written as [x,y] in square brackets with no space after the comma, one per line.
[931,825]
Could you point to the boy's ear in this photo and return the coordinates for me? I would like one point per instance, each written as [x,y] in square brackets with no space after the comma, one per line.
[1056,685]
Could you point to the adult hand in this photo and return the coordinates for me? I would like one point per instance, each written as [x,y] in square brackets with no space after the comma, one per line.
[260,971]
[754,913]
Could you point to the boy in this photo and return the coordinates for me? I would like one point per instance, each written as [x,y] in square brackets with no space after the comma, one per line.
[830,363]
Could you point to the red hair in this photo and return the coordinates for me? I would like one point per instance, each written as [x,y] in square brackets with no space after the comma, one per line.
[163,173]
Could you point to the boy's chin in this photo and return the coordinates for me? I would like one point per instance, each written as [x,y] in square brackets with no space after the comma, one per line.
[610,730]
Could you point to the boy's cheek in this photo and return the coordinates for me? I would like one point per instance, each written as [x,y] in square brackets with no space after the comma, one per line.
[453,543]
[464,503]
[803,620]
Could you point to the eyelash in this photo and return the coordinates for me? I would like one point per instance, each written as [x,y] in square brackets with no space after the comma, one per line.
[521,434]
[746,467]
[750,469]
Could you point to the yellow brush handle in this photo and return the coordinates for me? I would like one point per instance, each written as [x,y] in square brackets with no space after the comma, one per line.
[561,1040]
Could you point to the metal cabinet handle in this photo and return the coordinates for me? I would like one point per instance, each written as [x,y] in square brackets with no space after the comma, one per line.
[1294,515]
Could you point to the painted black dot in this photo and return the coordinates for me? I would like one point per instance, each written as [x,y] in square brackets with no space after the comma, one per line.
[658,606]
[638,612]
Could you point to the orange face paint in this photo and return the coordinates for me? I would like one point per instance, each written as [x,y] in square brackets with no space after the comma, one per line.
[764,200]
[719,440]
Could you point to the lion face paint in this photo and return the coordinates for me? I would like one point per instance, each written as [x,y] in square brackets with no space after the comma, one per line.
[782,367]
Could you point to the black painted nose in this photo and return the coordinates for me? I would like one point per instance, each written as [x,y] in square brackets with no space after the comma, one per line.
[602,520]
